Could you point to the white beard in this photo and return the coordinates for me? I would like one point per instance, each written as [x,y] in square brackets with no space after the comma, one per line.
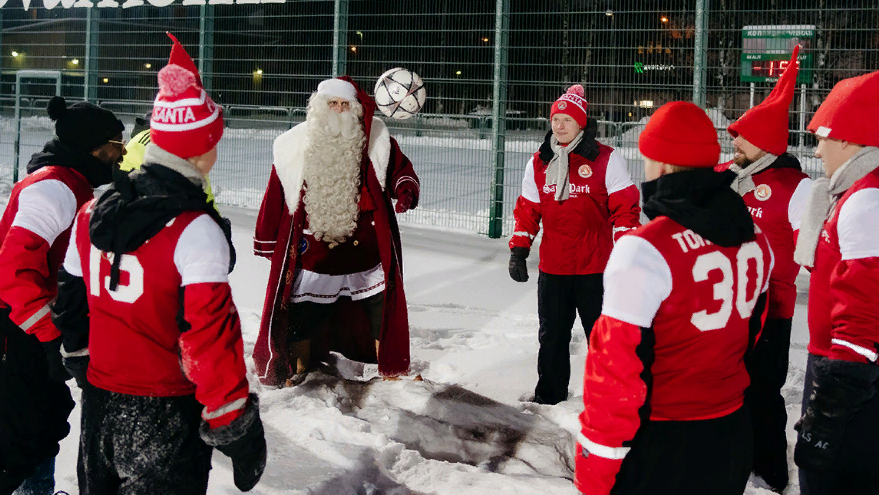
[332,170]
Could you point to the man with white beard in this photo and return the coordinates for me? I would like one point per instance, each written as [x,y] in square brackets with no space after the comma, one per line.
[328,225]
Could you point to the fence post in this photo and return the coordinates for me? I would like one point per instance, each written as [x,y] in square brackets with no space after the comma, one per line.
[499,117]
[206,45]
[340,38]
[90,81]
[701,55]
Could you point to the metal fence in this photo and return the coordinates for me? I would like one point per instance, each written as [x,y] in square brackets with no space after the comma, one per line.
[491,67]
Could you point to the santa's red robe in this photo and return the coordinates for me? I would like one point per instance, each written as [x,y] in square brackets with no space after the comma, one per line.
[279,232]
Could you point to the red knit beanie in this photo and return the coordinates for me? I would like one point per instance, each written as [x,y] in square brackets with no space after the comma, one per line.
[573,104]
[766,125]
[186,122]
[850,112]
[680,133]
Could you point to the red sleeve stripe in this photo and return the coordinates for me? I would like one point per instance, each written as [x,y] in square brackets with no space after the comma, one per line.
[35,318]
[615,453]
[224,409]
[863,351]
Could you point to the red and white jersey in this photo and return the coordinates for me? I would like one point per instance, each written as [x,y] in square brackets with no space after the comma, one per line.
[578,234]
[34,232]
[170,328]
[776,206]
[843,312]
[675,326]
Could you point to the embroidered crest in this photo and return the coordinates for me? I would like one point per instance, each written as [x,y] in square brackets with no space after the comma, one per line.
[763,192]
[562,105]
[585,171]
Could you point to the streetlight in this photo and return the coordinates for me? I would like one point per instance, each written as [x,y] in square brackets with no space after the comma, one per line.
[15,54]
[106,80]
[485,39]
[458,73]
[147,66]
[75,61]
[664,19]
[608,13]
[353,49]
[259,72]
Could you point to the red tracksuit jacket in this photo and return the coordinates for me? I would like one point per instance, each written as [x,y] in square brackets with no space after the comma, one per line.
[685,304]
[579,233]
[170,328]
[843,311]
[34,233]
[777,207]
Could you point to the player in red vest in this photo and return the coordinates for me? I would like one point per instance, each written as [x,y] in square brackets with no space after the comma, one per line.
[838,444]
[774,187]
[34,233]
[150,329]
[582,192]
[664,390]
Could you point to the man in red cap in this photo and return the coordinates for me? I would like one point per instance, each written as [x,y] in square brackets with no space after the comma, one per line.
[838,443]
[328,224]
[664,390]
[774,187]
[145,308]
[582,192]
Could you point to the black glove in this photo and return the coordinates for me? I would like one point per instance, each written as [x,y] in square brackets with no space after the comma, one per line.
[226,226]
[77,367]
[840,389]
[243,440]
[53,360]
[518,270]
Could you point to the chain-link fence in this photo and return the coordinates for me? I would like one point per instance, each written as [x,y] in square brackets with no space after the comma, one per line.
[491,68]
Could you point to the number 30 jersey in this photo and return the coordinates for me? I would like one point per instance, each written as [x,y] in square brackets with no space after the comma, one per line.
[170,328]
[675,326]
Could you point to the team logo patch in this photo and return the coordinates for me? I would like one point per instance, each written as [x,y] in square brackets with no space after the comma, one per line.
[763,192]
[303,245]
[585,171]
[562,105]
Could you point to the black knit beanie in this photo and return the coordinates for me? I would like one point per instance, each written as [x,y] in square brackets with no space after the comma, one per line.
[83,126]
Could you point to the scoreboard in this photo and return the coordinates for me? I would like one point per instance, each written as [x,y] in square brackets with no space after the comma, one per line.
[766,52]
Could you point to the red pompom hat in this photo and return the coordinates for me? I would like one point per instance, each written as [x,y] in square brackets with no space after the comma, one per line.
[680,133]
[186,122]
[850,112]
[766,125]
[572,103]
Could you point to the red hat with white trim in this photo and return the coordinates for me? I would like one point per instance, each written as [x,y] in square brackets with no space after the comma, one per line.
[766,125]
[572,103]
[186,122]
[850,112]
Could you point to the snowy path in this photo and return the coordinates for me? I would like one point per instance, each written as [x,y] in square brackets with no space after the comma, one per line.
[463,430]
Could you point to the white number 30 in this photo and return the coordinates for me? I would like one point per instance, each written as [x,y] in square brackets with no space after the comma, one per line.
[723,290]
[123,293]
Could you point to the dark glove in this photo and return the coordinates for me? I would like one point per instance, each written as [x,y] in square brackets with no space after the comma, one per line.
[840,389]
[77,366]
[405,200]
[226,227]
[518,270]
[53,360]
[243,440]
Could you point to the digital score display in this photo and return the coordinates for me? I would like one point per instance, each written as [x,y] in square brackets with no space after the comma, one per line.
[769,68]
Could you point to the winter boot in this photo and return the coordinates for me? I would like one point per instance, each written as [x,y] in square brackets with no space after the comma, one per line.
[300,357]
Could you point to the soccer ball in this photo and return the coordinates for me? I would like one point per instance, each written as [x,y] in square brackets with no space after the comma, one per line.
[399,93]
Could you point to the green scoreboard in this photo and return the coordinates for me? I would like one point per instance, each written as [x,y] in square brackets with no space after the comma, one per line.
[766,52]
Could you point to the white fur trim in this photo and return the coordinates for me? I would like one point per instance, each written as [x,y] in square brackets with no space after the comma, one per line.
[337,88]
[289,157]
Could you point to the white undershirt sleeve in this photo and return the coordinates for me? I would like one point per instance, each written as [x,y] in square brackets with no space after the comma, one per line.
[636,281]
[202,253]
[858,226]
[72,263]
[46,208]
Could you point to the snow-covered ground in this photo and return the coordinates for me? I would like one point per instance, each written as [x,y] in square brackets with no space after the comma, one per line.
[461,431]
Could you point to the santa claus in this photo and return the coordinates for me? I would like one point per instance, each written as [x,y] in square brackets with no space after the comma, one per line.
[328,225]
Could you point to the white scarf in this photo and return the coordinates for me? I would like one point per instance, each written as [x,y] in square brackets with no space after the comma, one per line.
[744,183]
[558,169]
[823,197]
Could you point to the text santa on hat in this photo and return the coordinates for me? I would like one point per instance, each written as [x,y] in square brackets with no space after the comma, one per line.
[185,122]
[573,104]
[766,125]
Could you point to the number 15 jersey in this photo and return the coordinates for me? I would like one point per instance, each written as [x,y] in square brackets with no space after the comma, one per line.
[675,326]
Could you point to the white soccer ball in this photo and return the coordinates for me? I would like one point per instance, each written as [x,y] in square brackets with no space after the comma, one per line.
[399,93]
